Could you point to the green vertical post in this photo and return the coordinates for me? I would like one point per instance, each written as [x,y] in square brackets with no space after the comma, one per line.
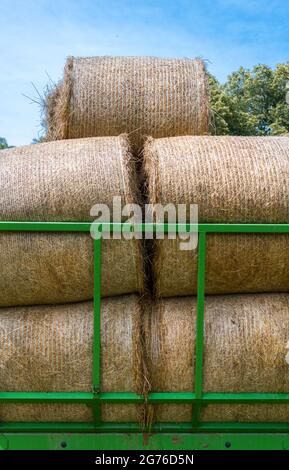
[96,365]
[200,327]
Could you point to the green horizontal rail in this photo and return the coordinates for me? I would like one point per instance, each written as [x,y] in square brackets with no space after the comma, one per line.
[130,397]
[8,226]
[95,398]
[245,398]
[151,441]
[134,427]
[47,397]
[45,226]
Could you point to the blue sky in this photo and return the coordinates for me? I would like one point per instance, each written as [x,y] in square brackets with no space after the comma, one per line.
[36,37]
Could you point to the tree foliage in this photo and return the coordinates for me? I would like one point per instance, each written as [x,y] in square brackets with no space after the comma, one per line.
[3,143]
[251,102]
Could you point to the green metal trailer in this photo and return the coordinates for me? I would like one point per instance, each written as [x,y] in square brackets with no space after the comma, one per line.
[128,436]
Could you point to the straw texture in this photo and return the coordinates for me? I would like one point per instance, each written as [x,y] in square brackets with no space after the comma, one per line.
[235,263]
[233,180]
[246,342]
[61,181]
[49,348]
[102,96]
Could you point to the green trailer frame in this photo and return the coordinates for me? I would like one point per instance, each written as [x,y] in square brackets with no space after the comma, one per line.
[122,436]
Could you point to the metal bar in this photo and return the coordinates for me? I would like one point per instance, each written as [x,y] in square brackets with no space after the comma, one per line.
[227,228]
[200,328]
[96,374]
[221,228]
[150,227]
[130,397]
[45,226]
[79,397]
[45,397]
[200,315]
[161,441]
[88,427]
[244,427]
[244,228]
[120,397]
[162,397]
[221,427]
[245,397]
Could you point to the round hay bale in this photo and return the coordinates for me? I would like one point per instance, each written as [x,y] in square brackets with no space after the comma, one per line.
[49,349]
[246,343]
[103,96]
[233,180]
[61,181]
[235,263]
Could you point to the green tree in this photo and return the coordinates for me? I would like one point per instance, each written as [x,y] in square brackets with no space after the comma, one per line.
[221,107]
[251,102]
[3,143]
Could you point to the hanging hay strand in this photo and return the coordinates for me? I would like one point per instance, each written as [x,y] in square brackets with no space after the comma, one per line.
[246,338]
[103,96]
[61,181]
[49,349]
[232,180]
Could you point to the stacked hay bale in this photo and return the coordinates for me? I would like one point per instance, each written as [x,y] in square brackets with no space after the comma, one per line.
[49,347]
[104,96]
[233,180]
[245,351]
[62,181]
[46,281]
